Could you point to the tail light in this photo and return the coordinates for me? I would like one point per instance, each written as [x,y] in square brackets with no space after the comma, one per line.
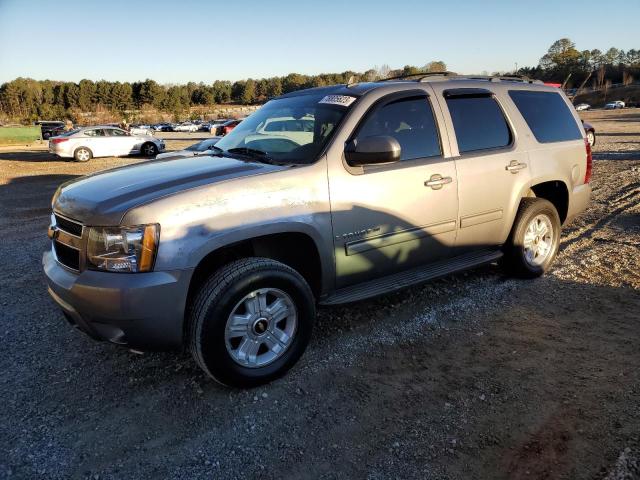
[587,175]
[55,141]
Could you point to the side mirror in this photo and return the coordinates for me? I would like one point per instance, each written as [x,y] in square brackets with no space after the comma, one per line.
[372,150]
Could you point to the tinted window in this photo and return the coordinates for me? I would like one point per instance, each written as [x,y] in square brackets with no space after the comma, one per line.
[411,122]
[547,115]
[479,123]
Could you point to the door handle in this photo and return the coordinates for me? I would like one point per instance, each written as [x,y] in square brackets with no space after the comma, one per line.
[437,181]
[515,166]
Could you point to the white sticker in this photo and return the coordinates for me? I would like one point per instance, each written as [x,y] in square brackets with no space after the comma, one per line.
[343,100]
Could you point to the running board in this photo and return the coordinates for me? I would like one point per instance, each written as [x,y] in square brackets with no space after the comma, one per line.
[415,276]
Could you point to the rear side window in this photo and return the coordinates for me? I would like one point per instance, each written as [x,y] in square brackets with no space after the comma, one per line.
[94,133]
[478,122]
[547,115]
[410,121]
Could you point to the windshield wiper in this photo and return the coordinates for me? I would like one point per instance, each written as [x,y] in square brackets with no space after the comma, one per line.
[253,153]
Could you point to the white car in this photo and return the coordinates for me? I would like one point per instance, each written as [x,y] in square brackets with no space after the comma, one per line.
[583,106]
[141,130]
[196,149]
[614,105]
[88,142]
[186,127]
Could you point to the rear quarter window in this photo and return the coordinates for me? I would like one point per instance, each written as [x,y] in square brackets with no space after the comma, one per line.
[547,115]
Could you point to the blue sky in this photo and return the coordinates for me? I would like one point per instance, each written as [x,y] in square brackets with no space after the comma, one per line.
[187,40]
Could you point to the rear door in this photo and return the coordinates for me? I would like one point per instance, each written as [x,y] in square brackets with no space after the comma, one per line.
[493,168]
[97,141]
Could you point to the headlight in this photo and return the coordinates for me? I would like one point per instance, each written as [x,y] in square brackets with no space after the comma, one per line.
[123,249]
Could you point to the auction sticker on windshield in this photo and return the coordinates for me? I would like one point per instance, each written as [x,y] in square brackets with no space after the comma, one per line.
[344,100]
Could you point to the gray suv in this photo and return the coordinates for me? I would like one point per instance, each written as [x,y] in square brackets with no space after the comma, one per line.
[321,197]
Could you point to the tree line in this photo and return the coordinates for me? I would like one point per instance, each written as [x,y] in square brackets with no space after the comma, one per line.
[565,64]
[28,100]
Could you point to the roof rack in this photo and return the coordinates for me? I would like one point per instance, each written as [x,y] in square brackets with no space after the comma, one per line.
[420,74]
[429,76]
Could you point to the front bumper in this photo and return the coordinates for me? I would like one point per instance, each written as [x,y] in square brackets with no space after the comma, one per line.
[141,310]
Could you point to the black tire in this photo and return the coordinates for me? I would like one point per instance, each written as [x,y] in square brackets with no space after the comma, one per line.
[215,302]
[79,156]
[149,149]
[514,260]
[46,135]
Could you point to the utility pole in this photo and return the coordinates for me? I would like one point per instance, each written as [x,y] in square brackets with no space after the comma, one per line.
[516,68]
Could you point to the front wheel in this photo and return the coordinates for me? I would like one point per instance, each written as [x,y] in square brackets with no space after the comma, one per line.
[149,149]
[534,240]
[251,321]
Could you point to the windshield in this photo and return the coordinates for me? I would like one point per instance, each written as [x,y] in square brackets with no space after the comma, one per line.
[288,130]
[202,146]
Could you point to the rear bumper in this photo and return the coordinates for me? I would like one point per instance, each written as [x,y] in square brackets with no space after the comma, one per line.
[143,310]
[578,201]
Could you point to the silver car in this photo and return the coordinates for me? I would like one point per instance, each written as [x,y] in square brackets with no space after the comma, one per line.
[321,197]
[195,149]
[103,141]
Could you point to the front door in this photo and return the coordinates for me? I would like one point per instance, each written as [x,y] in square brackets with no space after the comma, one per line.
[388,218]
[121,142]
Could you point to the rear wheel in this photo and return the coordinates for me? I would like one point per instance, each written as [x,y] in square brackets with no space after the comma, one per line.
[534,240]
[591,138]
[149,149]
[46,135]
[251,321]
[82,154]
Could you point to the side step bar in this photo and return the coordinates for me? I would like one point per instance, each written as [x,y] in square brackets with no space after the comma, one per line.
[415,276]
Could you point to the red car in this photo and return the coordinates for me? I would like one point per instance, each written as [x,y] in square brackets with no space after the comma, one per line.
[227,127]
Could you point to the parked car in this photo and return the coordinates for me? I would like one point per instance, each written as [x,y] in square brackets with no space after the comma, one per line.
[215,124]
[195,149]
[614,105]
[140,130]
[103,141]
[228,254]
[227,127]
[163,127]
[590,132]
[186,127]
[50,128]
[582,106]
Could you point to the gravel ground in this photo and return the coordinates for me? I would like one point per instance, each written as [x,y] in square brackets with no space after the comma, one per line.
[472,376]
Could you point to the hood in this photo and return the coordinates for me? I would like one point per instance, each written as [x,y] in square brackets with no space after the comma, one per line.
[103,198]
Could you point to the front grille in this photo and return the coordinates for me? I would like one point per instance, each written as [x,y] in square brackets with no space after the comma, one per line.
[70,257]
[70,226]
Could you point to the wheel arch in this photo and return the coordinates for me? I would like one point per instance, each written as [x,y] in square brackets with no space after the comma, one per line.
[296,249]
[555,191]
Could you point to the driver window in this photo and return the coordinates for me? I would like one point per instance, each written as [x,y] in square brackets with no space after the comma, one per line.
[117,133]
[411,122]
